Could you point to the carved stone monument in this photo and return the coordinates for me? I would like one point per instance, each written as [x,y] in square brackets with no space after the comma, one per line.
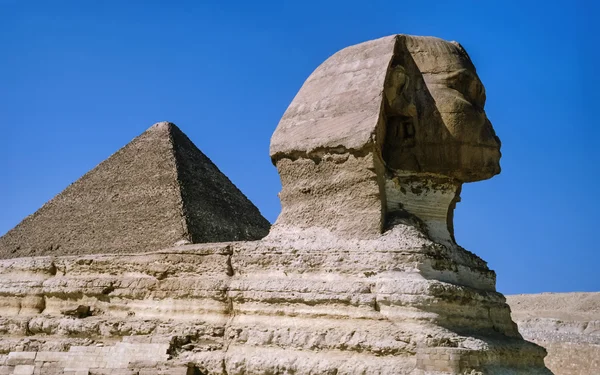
[360,274]
[383,131]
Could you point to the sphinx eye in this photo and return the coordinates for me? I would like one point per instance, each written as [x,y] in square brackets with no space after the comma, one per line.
[468,85]
[457,81]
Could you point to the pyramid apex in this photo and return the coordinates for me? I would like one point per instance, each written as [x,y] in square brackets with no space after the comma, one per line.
[163,125]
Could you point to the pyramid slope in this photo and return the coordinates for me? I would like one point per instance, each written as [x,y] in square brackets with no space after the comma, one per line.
[215,209]
[132,202]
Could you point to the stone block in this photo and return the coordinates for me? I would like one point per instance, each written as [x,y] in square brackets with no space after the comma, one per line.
[116,362]
[79,365]
[20,358]
[24,370]
[51,356]
[101,371]
[174,371]
[76,372]
[49,365]
[6,370]
[122,371]
[143,363]
[51,371]
[48,371]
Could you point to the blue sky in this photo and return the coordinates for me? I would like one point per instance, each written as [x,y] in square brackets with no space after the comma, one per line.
[80,79]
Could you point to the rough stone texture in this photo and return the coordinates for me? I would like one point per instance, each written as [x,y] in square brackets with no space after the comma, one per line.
[397,305]
[120,359]
[417,100]
[155,191]
[566,324]
[371,120]
[361,273]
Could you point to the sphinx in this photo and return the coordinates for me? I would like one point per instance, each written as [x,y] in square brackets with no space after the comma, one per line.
[360,274]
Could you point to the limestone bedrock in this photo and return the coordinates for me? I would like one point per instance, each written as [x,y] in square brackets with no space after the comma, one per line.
[567,325]
[359,275]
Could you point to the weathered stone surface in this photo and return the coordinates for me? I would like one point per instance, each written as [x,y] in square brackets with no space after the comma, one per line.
[566,324]
[375,122]
[20,358]
[418,100]
[397,305]
[360,275]
[157,190]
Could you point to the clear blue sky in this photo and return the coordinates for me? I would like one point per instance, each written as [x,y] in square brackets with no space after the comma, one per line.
[80,79]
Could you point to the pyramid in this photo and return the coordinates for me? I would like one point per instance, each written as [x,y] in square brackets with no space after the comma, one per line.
[158,190]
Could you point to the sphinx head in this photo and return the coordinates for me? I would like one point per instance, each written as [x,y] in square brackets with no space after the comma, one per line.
[384,132]
[433,109]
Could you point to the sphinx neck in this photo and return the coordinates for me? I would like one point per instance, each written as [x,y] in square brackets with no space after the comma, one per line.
[423,199]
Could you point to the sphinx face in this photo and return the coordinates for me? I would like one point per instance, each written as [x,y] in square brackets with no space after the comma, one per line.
[459,96]
[438,107]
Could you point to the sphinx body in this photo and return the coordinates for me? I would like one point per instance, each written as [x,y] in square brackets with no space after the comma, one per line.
[372,153]
[360,274]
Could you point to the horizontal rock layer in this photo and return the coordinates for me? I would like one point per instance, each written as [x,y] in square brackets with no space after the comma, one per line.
[273,306]
[566,324]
